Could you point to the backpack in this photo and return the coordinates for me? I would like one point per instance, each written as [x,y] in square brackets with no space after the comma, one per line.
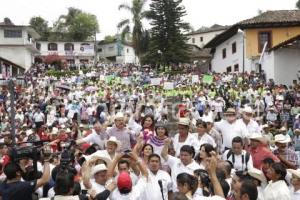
[230,153]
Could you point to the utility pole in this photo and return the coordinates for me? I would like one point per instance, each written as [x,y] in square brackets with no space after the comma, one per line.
[12,111]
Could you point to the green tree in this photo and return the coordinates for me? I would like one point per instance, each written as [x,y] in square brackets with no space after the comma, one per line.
[138,14]
[298,4]
[40,25]
[77,25]
[168,41]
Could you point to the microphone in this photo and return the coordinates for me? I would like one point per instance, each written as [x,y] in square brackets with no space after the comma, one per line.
[161,189]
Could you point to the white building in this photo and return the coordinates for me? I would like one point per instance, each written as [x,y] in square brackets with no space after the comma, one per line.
[251,46]
[17,45]
[285,57]
[116,52]
[72,52]
[203,35]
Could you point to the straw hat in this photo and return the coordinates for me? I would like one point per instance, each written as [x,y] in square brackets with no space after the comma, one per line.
[256,136]
[114,140]
[98,168]
[184,121]
[257,174]
[280,138]
[294,172]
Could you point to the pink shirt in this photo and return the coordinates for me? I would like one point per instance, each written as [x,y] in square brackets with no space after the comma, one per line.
[259,154]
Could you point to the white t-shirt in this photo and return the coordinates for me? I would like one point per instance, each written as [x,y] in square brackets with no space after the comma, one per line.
[177,168]
[190,140]
[251,127]
[205,139]
[238,163]
[135,194]
[94,138]
[230,131]
[153,190]
[97,187]
[59,197]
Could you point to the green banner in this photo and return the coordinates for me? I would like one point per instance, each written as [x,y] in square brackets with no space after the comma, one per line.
[207,79]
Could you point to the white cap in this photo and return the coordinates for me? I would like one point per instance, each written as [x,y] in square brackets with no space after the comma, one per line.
[98,168]
[119,115]
[184,121]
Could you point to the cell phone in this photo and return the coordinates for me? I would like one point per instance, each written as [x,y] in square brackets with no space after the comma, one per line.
[84,192]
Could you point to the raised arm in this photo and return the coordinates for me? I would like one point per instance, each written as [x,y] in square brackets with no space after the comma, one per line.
[164,152]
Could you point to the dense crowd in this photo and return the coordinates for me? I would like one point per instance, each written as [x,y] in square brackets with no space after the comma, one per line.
[95,136]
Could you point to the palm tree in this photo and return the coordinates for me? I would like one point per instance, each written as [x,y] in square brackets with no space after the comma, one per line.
[138,14]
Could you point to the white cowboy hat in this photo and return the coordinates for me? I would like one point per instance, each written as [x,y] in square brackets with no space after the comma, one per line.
[119,115]
[207,119]
[54,131]
[98,168]
[184,121]
[256,136]
[294,172]
[247,109]
[257,174]
[280,138]
[29,132]
[114,140]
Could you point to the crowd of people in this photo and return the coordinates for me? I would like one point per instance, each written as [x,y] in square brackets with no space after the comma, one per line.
[92,136]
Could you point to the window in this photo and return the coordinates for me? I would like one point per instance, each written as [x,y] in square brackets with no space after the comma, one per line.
[38,46]
[69,47]
[111,48]
[264,37]
[236,67]
[193,40]
[224,53]
[100,50]
[52,47]
[228,69]
[233,48]
[127,50]
[12,33]
[201,39]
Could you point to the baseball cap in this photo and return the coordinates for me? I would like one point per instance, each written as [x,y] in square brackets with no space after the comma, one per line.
[124,181]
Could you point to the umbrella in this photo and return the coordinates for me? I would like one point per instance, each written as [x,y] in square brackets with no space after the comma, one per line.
[90,89]
[63,87]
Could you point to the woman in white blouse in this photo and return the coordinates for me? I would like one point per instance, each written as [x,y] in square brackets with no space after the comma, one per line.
[277,187]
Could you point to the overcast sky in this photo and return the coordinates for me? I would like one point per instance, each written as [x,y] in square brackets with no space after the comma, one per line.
[199,12]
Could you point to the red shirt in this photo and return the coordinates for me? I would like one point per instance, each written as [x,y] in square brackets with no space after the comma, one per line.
[259,154]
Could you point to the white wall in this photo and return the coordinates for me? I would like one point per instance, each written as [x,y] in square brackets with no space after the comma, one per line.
[18,55]
[220,65]
[287,65]
[129,55]
[206,38]
[267,65]
[108,50]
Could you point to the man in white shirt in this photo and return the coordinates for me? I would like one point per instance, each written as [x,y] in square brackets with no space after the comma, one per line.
[184,137]
[98,136]
[98,178]
[250,125]
[295,191]
[241,160]
[229,128]
[186,163]
[159,182]
[125,189]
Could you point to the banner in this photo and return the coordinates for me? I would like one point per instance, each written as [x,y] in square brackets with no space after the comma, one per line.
[208,79]
[168,85]
[126,81]
[195,79]
[156,81]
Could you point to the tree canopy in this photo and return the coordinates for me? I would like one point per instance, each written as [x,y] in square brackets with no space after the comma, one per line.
[168,42]
[40,25]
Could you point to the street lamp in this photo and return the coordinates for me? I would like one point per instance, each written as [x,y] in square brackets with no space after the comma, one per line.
[243,34]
